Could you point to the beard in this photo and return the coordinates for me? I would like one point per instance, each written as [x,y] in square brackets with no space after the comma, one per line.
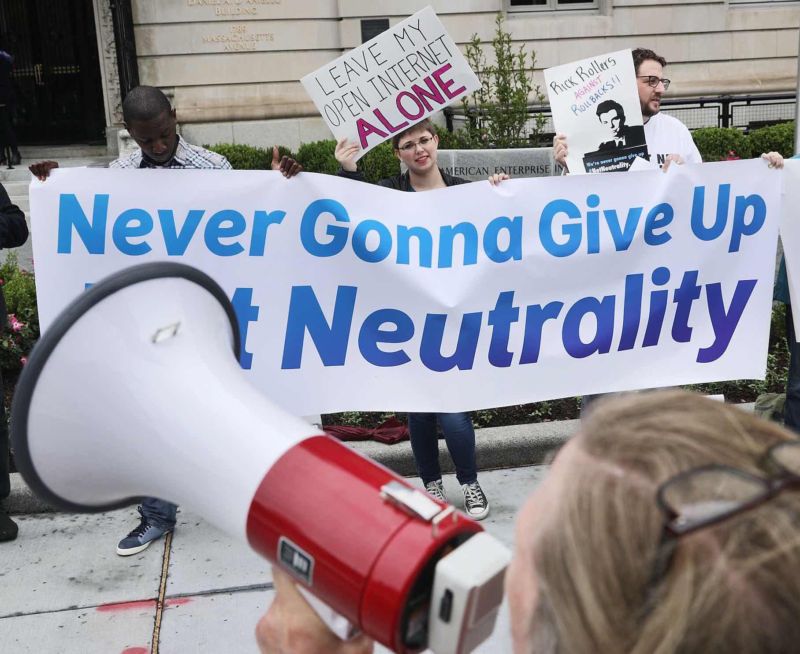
[647,112]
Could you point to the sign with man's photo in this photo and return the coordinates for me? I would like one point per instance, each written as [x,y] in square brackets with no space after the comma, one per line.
[595,103]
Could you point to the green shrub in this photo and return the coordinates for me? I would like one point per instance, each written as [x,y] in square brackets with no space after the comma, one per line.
[775,138]
[497,112]
[379,163]
[317,157]
[719,143]
[244,157]
[247,157]
[22,331]
[458,140]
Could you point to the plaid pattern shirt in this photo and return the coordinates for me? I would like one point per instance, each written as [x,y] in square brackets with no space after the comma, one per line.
[186,156]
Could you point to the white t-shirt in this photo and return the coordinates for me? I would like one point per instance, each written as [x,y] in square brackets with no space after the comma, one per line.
[667,135]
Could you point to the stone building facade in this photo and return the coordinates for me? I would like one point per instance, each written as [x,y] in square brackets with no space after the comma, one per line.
[232,67]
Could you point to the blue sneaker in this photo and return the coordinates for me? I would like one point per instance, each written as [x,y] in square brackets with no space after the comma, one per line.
[140,538]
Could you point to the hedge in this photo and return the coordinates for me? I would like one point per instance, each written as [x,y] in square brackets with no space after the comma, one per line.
[714,143]
[317,157]
[775,138]
[719,143]
[247,157]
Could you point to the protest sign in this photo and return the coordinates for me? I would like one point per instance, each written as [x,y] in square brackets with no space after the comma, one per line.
[388,84]
[790,234]
[595,103]
[356,297]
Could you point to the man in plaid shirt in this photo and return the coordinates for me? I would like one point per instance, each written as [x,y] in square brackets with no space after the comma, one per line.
[151,122]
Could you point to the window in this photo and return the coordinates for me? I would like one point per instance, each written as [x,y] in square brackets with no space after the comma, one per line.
[550,5]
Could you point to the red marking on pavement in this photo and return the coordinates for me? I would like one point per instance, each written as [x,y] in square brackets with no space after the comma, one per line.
[177,601]
[136,650]
[126,606]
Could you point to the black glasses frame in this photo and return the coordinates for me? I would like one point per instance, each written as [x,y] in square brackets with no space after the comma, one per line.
[678,525]
[653,80]
[410,146]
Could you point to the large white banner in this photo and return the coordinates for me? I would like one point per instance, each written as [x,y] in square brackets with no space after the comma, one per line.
[395,80]
[357,297]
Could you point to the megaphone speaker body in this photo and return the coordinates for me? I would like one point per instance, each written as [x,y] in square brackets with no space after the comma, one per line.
[135,390]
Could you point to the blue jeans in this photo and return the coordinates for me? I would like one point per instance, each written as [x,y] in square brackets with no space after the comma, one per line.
[159,513]
[791,410]
[459,436]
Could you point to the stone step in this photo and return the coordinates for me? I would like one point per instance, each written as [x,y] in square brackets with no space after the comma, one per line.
[22,174]
[22,202]
[58,152]
[17,189]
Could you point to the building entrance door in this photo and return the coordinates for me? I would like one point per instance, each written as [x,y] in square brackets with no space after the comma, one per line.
[56,74]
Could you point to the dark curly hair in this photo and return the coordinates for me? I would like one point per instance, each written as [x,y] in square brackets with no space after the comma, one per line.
[642,54]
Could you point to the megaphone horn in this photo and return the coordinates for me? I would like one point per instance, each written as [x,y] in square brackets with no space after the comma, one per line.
[135,390]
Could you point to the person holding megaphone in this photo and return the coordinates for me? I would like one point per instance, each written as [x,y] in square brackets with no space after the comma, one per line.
[669,524]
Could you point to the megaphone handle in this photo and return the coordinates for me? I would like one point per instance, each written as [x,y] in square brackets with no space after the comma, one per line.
[338,624]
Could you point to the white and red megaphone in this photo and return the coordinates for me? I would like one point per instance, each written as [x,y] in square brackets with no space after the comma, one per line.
[135,390]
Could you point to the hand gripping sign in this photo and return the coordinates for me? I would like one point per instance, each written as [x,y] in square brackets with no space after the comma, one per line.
[391,82]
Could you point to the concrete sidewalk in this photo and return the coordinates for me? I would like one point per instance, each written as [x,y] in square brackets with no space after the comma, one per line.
[63,588]
[497,447]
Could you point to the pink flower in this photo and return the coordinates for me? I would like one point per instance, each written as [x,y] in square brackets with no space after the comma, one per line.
[16,325]
[23,360]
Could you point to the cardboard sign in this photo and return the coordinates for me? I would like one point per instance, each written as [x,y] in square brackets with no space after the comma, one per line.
[595,102]
[388,84]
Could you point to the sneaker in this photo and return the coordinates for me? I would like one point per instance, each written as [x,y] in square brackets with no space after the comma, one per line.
[436,490]
[8,528]
[475,503]
[140,538]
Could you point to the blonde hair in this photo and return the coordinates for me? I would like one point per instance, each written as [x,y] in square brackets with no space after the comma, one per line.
[734,587]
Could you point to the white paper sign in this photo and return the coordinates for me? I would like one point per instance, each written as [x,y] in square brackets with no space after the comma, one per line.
[595,102]
[391,82]
[356,297]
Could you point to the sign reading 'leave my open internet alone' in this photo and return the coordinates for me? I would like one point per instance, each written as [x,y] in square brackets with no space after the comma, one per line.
[391,82]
